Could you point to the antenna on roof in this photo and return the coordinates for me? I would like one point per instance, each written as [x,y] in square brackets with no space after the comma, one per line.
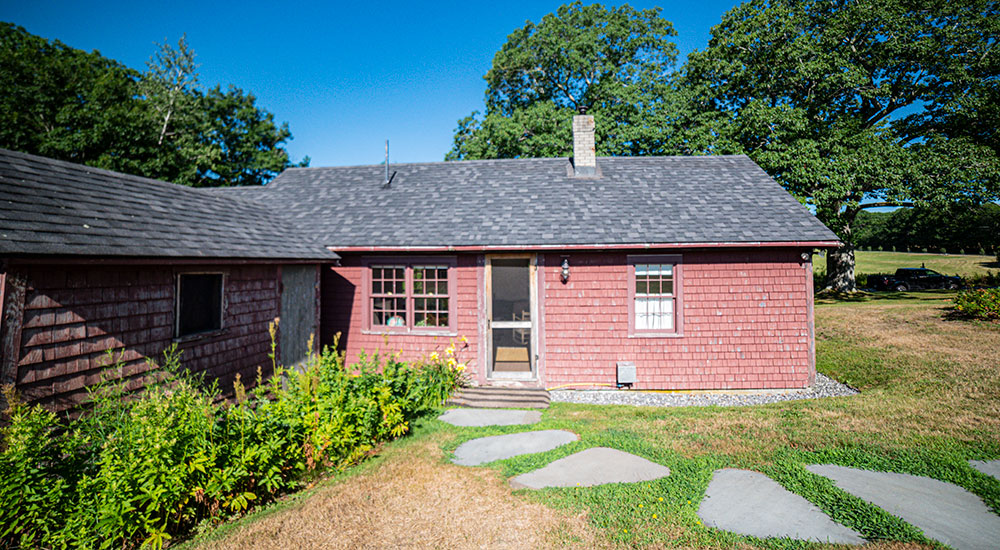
[388,178]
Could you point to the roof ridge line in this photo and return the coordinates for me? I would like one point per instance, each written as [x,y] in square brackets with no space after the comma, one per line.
[505,160]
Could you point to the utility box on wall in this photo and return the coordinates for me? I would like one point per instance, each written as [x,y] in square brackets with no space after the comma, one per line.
[626,373]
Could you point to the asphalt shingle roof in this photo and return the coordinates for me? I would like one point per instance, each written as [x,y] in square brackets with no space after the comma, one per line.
[53,207]
[537,202]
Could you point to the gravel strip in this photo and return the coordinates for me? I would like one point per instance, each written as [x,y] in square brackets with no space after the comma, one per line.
[824,387]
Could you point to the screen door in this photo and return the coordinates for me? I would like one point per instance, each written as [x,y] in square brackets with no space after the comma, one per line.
[511,316]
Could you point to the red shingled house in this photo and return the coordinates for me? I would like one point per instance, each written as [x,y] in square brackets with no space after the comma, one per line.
[696,271]
[662,272]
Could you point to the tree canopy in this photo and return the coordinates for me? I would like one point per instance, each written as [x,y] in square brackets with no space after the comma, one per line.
[72,105]
[849,104]
[855,104]
[956,228]
[614,63]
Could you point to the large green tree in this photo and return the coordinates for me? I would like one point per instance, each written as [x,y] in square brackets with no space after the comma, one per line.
[955,228]
[854,104]
[244,141]
[68,104]
[614,63]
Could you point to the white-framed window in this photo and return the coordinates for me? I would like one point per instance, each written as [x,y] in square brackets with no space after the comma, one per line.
[654,295]
[412,295]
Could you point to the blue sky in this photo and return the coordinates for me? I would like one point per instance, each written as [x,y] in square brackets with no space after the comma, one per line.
[344,75]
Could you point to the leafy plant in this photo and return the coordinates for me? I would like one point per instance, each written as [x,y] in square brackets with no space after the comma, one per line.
[981,303]
[139,469]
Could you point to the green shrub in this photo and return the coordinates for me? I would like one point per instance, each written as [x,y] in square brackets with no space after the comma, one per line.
[35,487]
[861,280]
[979,303]
[981,280]
[137,470]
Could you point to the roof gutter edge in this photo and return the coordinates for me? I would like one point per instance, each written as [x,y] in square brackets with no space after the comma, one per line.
[632,246]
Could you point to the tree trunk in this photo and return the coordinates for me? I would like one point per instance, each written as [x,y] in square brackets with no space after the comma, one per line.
[840,269]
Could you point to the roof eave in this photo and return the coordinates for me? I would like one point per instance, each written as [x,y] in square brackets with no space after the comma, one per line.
[595,246]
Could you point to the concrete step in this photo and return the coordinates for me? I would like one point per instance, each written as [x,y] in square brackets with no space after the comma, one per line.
[501,398]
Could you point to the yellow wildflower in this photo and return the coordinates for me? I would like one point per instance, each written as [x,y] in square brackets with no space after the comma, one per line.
[460,368]
[661,499]
[452,362]
[450,350]
[434,356]
[463,339]
[654,516]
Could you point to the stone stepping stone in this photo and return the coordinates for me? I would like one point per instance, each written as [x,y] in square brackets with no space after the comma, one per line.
[988,467]
[945,512]
[595,466]
[489,417]
[497,447]
[750,503]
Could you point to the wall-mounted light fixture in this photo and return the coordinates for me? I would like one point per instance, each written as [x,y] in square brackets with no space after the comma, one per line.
[806,256]
[565,270]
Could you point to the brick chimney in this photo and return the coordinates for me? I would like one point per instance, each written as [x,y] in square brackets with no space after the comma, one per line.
[584,156]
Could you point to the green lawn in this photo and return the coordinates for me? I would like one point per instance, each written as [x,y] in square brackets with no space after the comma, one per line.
[930,401]
[887,262]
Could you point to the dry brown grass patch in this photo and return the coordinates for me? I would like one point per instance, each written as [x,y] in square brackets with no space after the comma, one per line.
[413,500]
[916,329]
[953,362]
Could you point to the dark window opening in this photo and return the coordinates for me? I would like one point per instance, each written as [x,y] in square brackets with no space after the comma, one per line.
[199,307]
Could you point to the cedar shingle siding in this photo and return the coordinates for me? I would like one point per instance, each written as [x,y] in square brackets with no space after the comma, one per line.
[89,260]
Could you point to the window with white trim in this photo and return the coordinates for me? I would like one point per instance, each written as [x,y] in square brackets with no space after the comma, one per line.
[430,296]
[654,297]
[409,296]
[388,296]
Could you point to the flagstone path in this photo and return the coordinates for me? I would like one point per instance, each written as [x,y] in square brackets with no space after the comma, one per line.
[498,447]
[594,466]
[742,501]
[750,503]
[945,512]
[489,417]
[988,467]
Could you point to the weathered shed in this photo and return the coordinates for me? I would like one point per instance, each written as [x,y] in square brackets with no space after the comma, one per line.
[92,260]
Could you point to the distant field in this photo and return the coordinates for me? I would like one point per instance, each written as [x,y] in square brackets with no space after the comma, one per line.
[888,262]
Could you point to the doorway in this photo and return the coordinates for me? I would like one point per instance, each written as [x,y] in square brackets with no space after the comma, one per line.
[511,316]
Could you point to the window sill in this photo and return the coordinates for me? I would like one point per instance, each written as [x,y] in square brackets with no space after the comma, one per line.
[519,376]
[207,335]
[410,332]
[656,335]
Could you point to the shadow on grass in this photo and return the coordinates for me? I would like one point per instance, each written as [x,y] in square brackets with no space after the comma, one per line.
[827,296]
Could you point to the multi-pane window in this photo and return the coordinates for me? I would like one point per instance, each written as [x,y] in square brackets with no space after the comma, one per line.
[388,296]
[654,297]
[430,296]
[409,296]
